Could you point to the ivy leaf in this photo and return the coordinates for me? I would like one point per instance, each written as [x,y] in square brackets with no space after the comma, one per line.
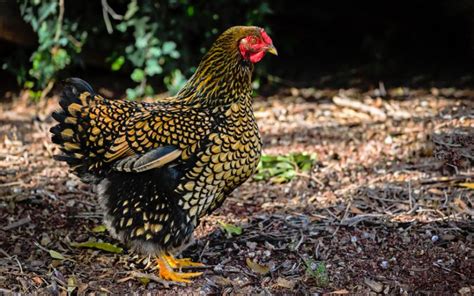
[137,75]
[168,47]
[152,67]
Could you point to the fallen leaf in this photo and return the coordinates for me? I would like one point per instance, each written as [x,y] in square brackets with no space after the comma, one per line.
[144,280]
[99,245]
[56,255]
[222,281]
[257,268]
[71,284]
[99,228]
[461,204]
[230,229]
[37,280]
[355,210]
[284,283]
[374,285]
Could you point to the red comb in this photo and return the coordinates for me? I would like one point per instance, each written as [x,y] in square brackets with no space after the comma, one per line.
[265,37]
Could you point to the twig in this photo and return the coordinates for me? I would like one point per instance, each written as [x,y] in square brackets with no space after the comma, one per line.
[410,198]
[15,257]
[310,177]
[448,270]
[18,223]
[206,246]
[359,218]
[300,242]
[47,89]
[11,184]
[106,10]
[356,105]
[60,21]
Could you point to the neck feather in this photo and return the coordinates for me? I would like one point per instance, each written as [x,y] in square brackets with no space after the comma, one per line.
[221,78]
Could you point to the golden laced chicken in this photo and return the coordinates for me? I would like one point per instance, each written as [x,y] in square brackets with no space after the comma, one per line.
[162,166]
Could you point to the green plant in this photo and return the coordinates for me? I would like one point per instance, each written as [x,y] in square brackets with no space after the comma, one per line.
[59,39]
[154,42]
[283,168]
[317,271]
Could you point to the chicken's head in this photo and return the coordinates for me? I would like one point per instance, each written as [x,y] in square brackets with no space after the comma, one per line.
[254,46]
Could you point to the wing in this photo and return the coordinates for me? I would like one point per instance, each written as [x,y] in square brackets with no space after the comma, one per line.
[97,135]
[152,159]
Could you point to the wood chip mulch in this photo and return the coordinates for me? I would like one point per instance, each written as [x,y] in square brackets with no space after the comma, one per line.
[386,209]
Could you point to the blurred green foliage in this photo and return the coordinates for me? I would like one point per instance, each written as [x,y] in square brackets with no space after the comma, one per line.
[149,40]
[283,168]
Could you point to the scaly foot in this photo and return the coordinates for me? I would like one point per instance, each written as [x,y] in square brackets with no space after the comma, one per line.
[167,273]
[181,263]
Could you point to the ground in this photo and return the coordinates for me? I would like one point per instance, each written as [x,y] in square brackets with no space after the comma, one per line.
[385,208]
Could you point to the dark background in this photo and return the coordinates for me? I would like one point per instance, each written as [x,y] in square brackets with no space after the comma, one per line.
[333,43]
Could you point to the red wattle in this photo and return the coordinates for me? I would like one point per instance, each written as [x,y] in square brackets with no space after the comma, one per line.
[257,56]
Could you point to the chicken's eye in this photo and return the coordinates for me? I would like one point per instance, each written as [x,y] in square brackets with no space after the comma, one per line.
[252,40]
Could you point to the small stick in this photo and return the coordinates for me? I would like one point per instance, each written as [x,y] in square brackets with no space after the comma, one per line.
[18,223]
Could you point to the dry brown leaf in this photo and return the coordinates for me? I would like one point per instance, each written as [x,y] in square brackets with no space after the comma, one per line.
[284,283]
[222,281]
[37,280]
[355,210]
[257,268]
[460,203]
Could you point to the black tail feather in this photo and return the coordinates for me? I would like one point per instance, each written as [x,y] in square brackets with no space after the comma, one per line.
[70,132]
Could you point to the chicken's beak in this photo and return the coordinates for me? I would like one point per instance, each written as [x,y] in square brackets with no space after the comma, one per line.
[271,49]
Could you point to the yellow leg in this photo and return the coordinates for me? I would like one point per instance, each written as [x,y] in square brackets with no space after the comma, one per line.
[167,272]
[181,263]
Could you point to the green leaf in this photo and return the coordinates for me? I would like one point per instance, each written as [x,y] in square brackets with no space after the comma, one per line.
[56,255]
[71,284]
[118,63]
[100,246]
[168,47]
[144,280]
[283,168]
[137,75]
[190,10]
[230,229]
[131,10]
[99,228]
[132,94]
[155,52]
[318,271]
[152,67]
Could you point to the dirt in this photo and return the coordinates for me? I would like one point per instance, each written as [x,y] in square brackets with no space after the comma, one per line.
[385,208]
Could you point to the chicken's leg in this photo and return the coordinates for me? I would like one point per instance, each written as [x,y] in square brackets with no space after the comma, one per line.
[166,269]
[181,262]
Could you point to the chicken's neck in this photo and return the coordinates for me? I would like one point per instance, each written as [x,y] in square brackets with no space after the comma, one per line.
[220,79]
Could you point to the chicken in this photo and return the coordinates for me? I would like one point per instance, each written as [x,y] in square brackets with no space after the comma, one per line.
[159,167]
